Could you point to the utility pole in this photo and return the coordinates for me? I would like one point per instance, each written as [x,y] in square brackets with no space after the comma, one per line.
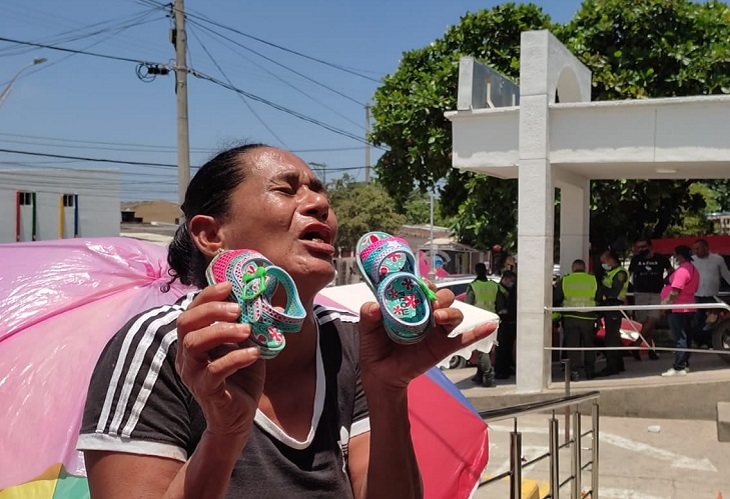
[367,143]
[179,40]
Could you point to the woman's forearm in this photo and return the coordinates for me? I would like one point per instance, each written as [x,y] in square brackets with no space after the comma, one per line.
[207,473]
[393,470]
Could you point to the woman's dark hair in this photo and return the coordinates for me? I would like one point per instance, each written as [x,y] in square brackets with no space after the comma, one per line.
[209,193]
[684,252]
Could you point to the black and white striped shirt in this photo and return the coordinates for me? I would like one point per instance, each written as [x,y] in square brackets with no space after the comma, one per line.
[138,404]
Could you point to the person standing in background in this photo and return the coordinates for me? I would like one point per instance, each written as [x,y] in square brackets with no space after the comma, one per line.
[578,289]
[507,333]
[683,285]
[711,267]
[612,292]
[483,293]
[647,270]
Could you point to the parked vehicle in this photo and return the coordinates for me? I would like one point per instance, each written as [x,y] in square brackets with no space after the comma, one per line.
[458,285]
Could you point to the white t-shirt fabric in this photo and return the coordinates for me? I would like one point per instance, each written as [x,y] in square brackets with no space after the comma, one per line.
[710,268]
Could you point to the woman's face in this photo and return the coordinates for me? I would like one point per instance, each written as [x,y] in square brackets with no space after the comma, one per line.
[281,210]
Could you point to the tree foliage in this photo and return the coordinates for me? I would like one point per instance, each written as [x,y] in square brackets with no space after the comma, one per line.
[417,210]
[410,104]
[649,48]
[637,49]
[361,207]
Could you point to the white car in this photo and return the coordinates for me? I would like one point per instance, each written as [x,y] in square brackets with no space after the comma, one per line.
[352,296]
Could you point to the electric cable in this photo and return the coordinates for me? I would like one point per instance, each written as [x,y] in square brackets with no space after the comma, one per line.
[243,99]
[224,41]
[284,66]
[200,17]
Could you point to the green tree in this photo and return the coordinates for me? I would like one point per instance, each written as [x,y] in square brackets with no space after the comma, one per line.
[642,48]
[410,104]
[649,48]
[361,207]
[417,210]
[696,223]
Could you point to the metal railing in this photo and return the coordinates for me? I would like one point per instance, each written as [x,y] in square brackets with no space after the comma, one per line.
[570,403]
[719,304]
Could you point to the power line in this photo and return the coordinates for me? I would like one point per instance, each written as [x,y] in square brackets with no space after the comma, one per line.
[77,33]
[83,52]
[245,101]
[285,49]
[225,41]
[206,19]
[279,107]
[135,163]
[160,148]
[302,75]
[82,158]
[203,76]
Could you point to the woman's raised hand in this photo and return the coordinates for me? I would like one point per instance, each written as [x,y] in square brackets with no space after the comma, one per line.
[225,378]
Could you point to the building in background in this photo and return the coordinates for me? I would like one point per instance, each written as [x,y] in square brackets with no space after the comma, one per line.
[148,212]
[43,204]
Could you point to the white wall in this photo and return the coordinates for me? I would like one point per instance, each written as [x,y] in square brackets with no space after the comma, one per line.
[98,203]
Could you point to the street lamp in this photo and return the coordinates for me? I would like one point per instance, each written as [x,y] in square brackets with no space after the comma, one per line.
[9,86]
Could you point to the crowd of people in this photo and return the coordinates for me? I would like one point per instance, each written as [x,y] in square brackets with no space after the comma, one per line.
[691,275]
[653,279]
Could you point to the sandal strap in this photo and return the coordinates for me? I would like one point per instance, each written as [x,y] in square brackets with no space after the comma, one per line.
[377,253]
[254,280]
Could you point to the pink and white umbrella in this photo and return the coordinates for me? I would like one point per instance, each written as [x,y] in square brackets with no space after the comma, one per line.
[61,301]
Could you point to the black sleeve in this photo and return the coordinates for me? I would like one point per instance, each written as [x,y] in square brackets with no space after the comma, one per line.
[633,264]
[136,402]
[558,295]
[360,413]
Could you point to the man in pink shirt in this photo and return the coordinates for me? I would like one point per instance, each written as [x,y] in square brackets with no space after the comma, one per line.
[683,284]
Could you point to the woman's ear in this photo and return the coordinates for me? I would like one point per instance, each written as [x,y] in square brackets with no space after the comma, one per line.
[205,233]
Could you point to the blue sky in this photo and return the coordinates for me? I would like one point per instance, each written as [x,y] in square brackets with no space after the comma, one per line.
[98,108]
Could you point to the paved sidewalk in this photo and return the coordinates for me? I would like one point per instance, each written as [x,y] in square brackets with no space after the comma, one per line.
[682,460]
[641,391]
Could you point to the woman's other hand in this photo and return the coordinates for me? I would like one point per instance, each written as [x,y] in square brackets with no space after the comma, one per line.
[225,379]
[390,365]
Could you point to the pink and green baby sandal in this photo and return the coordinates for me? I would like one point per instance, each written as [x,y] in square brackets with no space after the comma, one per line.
[389,268]
[254,281]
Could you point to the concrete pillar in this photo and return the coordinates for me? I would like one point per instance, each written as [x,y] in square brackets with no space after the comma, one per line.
[574,223]
[546,66]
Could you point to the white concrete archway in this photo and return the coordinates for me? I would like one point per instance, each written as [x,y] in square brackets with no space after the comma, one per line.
[545,144]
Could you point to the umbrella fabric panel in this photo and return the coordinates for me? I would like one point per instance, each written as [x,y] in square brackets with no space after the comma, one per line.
[64,300]
[450,442]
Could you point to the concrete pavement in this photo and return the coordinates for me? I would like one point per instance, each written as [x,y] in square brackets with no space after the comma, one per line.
[638,392]
[682,460]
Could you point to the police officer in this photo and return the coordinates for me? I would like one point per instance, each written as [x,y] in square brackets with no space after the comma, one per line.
[614,286]
[483,293]
[578,289]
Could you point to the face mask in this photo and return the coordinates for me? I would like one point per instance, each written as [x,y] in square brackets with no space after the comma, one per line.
[644,252]
[606,266]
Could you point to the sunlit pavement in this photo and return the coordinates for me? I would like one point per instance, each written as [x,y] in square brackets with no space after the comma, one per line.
[682,460]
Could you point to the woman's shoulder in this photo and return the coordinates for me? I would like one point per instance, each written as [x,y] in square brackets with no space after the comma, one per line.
[338,327]
[145,331]
[339,317]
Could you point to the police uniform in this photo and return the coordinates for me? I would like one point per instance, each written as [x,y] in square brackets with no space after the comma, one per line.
[484,295]
[578,289]
[614,287]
